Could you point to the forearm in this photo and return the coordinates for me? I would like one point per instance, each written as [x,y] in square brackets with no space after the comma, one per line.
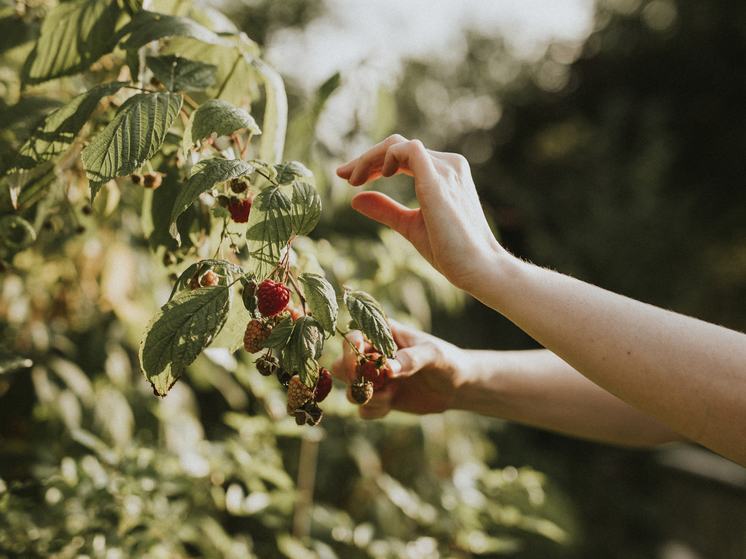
[688,374]
[539,389]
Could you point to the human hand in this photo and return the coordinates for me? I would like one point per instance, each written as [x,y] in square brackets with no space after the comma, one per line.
[449,228]
[423,376]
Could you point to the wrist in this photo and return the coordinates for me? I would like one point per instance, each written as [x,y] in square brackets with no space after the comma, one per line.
[477,389]
[498,279]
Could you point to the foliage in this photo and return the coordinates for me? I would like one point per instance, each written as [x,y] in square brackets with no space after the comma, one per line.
[120,160]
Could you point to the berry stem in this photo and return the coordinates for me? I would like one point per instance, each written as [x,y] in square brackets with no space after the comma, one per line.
[360,354]
[291,277]
[237,139]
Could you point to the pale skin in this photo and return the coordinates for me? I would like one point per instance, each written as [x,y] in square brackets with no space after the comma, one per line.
[614,369]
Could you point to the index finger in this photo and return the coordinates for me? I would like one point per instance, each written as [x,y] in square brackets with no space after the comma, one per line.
[368,166]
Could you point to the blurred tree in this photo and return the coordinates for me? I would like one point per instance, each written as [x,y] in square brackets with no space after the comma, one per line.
[619,161]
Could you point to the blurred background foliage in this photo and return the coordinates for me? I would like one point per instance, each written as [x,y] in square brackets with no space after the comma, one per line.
[618,159]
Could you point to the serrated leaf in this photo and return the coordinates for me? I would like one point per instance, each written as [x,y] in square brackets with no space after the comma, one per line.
[183,280]
[206,174]
[321,299]
[306,209]
[303,348]
[208,264]
[73,35]
[218,117]
[147,26]
[275,110]
[290,171]
[371,318]
[179,74]
[57,132]
[268,230]
[266,169]
[280,335]
[131,138]
[179,332]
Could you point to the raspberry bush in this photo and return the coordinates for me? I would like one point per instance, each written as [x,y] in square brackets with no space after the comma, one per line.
[149,178]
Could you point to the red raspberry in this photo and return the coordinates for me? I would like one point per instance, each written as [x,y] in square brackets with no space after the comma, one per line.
[362,391]
[272,298]
[369,372]
[239,208]
[210,279]
[256,333]
[298,394]
[323,385]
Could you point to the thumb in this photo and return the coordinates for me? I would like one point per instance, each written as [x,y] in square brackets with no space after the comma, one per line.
[406,363]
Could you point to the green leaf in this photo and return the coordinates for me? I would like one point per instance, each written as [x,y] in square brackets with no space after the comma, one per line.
[131,138]
[179,74]
[58,131]
[269,230]
[73,36]
[306,208]
[275,110]
[302,350]
[280,335]
[268,170]
[147,26]
[208,264]
[321,299]
[179,332]
[291,170]
[205,175]
[219,117]
[371,318]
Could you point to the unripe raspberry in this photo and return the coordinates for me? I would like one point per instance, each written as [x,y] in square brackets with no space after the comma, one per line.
[308,414]
[323,385]
[267,365]
[298,394]
[272,297]
[362,391]
[240,209]
[313,414]
[284,376]
[239,186]
[256,333]
[210,279]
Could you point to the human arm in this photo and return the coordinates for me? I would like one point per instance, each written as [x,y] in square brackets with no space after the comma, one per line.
[688,374]
[534,387]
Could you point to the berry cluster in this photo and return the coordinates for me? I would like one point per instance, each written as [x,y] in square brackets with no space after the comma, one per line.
[303,401]
[372,374]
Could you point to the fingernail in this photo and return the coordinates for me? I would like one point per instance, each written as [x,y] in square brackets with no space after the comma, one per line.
[395,368]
